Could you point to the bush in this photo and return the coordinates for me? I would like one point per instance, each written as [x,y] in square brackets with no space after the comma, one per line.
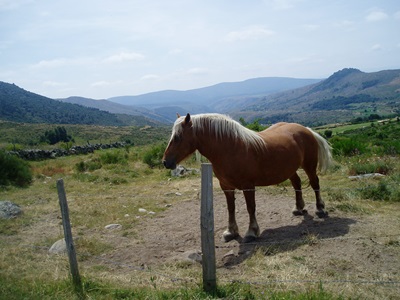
[360,167]
[14,171]
[91,165]
[154,156]
[347,146]
[114,157]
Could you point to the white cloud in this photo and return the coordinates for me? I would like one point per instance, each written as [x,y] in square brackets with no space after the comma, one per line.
[345,24]
[53,63]
[376,15]
[54,83]
[376,47]
[282,4]
[175,51]
[251,33]
[124,56]
[100,83]
[149,77]
[197,71]
[311,27]
[12,4]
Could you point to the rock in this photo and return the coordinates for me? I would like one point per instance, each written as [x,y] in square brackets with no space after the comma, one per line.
[229,254]
[113,226]
[191,256]
[59,247]
[142,210]
[9,210]
[365,176]
[182,171]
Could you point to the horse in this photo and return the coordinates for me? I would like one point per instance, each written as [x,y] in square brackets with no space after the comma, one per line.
[243,159]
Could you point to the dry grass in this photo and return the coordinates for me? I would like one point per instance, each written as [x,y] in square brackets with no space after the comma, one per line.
[114,194]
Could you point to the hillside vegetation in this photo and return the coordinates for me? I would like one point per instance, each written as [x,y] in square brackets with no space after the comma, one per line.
[347,94]
[18,105]
[110,186]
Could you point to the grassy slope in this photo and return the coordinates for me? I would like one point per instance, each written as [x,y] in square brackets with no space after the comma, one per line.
[103,196]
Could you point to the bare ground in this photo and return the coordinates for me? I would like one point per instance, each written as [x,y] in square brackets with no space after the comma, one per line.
[358,252]
[354,253]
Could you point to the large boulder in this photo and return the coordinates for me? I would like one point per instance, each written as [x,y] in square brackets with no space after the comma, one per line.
[9,210]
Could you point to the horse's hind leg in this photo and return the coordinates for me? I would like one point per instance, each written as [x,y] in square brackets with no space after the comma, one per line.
[254,229]
[296,183]
[314,182]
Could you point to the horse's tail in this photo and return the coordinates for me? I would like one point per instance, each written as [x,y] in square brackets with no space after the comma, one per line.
[324,152]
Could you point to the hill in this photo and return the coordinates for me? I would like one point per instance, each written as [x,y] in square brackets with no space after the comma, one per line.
[115,108]
[19,105]
[212,98]
[345,95]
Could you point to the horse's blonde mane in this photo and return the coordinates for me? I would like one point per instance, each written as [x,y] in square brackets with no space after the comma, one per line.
[223,126]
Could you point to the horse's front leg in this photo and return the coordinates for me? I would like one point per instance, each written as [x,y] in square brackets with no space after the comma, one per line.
[254,230]
[232,231]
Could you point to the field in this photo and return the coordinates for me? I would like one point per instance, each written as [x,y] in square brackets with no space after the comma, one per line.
[354,253]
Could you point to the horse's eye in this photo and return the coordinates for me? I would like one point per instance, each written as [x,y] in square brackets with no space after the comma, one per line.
[177,138]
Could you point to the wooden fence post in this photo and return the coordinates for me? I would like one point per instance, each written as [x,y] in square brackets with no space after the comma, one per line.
[207,230]
[73,263]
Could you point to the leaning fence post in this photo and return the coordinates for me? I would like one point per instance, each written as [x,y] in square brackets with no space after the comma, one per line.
[207,229]
[73,263]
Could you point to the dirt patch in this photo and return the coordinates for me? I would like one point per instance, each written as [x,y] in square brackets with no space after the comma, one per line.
[362,246]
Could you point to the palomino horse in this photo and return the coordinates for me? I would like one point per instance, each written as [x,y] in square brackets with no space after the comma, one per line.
[243,159]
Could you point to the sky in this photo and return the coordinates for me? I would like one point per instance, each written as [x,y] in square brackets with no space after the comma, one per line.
[101,49]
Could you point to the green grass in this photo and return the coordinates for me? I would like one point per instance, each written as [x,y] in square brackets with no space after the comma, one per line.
[13,287]
[109,186]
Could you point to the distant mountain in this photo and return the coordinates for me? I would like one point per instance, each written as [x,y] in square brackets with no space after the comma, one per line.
[19,105]
[116,108]
[210,99]
[347,94]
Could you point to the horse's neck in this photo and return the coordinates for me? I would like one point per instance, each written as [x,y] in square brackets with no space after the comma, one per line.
[211,147]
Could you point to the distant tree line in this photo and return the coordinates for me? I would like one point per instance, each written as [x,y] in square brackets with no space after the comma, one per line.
[56,135]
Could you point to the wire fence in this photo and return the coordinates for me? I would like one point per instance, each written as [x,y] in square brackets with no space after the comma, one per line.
[174,279]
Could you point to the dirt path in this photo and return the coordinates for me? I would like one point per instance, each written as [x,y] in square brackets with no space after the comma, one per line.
[361,246]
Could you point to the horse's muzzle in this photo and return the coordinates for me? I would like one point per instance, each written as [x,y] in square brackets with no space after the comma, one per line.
[169,164]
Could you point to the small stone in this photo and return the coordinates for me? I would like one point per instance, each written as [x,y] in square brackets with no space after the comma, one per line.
[142,210]
[126,215]
[59,247]
[9,210]
[152,213]
[178,194]
[230,253]
[113,226]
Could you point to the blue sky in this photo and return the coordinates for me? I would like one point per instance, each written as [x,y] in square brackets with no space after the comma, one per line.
[100,49]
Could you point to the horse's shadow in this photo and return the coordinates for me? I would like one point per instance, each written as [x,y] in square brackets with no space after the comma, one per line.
[288,238]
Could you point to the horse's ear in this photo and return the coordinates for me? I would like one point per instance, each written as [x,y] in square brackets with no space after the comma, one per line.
[178,115]
[187,119]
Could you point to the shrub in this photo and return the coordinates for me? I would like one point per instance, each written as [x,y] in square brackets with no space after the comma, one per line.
[376,192]
[114,157]
[382,167]
[91,165]
[154,156]
[347,146]
[14,171]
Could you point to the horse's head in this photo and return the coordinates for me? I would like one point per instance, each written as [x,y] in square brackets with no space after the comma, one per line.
[181,144]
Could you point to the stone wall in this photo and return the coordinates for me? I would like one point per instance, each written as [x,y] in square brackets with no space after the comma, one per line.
[37,154]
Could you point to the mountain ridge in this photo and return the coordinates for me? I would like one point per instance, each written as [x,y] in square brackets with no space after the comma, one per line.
[345,95]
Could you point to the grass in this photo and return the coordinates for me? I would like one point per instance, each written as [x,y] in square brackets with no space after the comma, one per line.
[109,186]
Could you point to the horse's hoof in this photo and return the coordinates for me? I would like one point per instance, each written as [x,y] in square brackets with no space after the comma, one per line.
[321,213]
[300,212]
[249,239]
[228,236]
